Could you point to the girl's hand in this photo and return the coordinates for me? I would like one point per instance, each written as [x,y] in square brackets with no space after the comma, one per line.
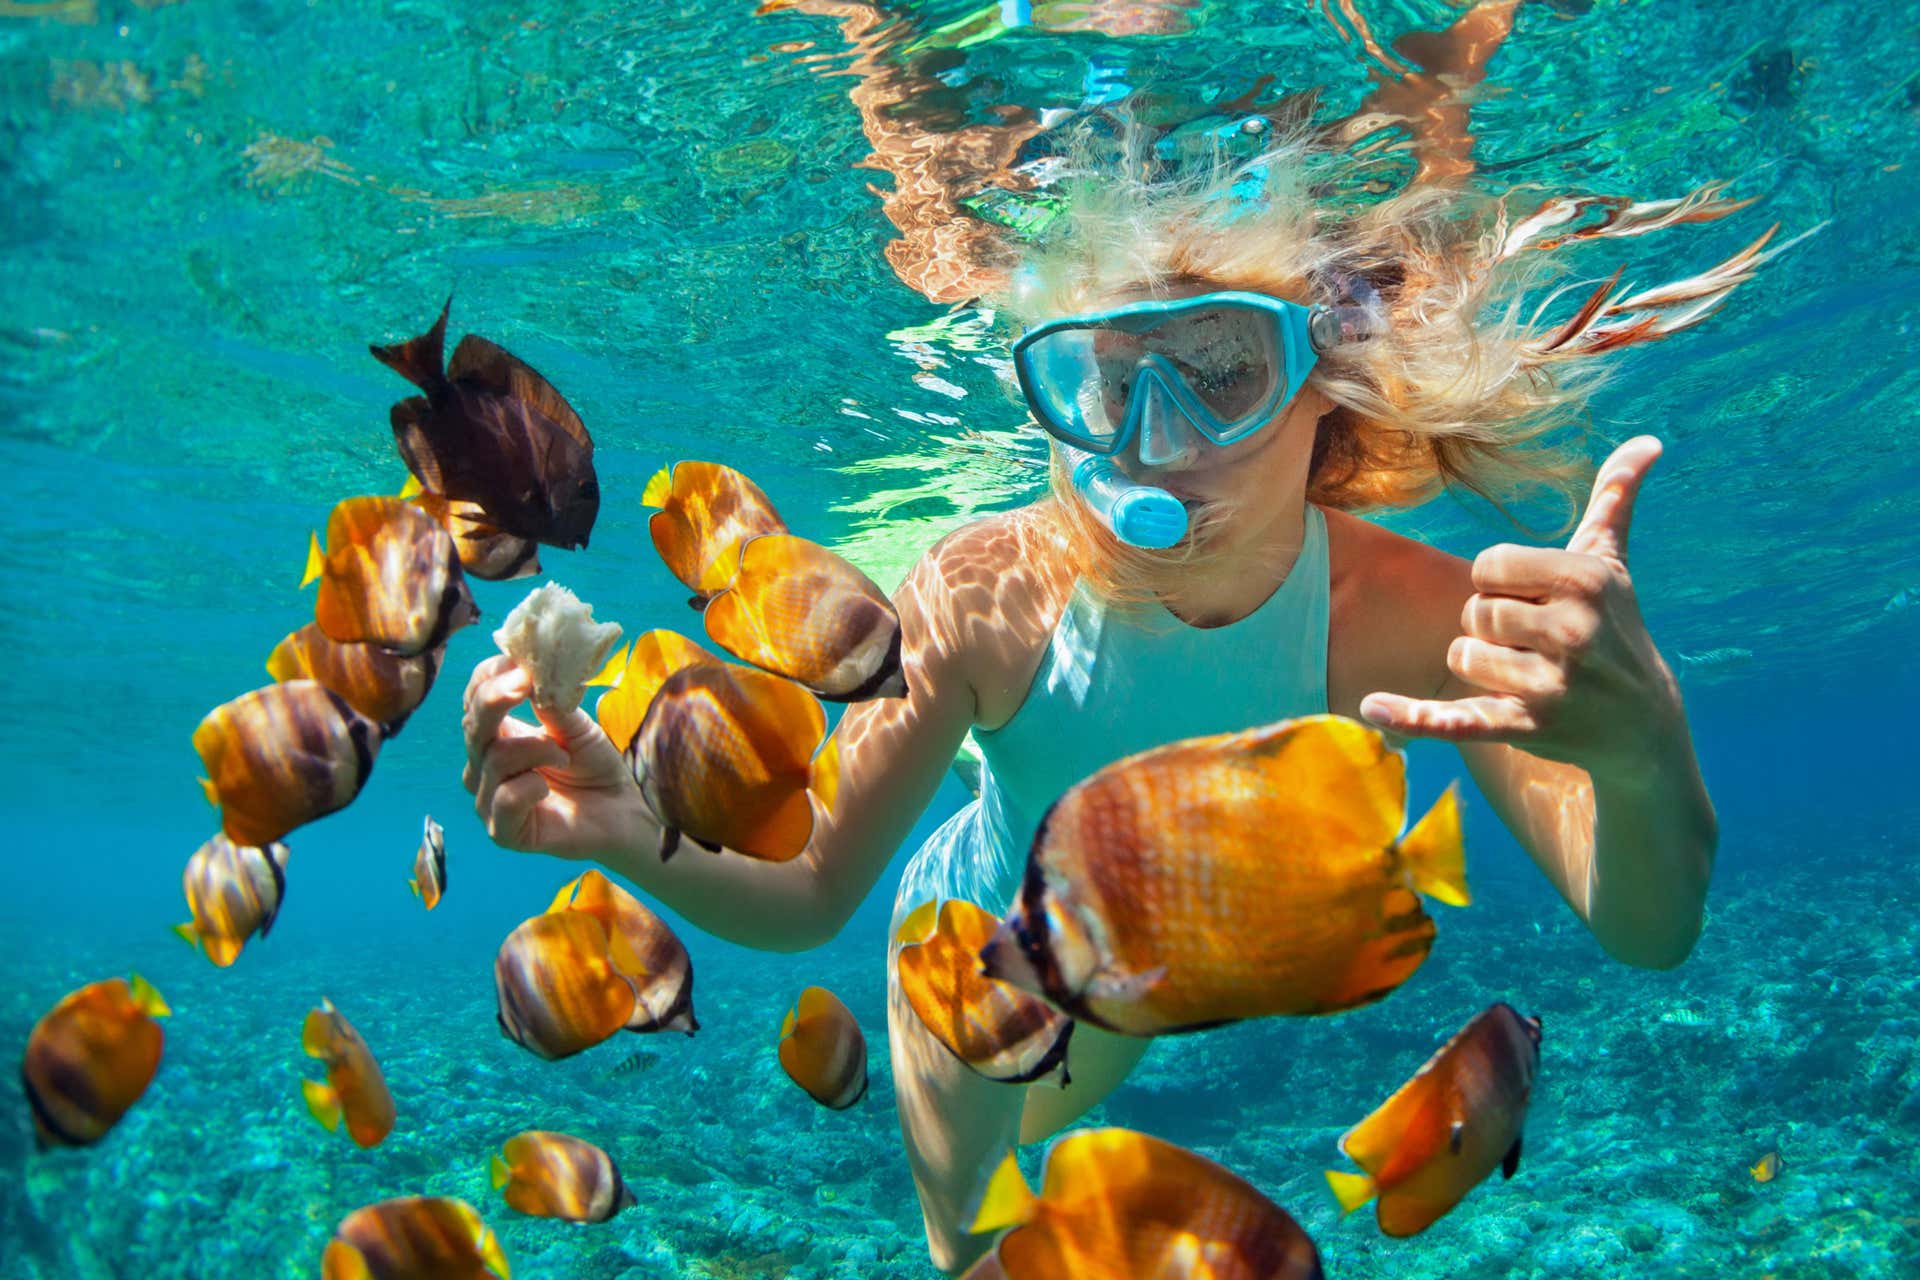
[558,787]
[1555,641]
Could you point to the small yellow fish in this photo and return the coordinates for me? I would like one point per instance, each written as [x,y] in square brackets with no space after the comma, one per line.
[1235,876]
[378,683]
[389,576]
[234,891]
[355,1089]
[724,756]
[1446,1129]
[1000,1031]
[707,512]
[823,1050]
[90,1058]
[798,610]
[414,1238]
[553,1175]
[283,755]
[1768,1167]
[430,865]
[1119,1205]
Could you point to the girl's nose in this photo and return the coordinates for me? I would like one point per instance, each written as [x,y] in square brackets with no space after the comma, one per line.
[1165,438]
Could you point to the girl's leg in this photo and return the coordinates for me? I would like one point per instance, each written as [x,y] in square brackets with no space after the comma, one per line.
[1097,1061]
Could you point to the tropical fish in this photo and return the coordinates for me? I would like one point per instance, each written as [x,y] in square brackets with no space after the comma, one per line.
[389,576]
[564,984]
[1232,876]
[355,1090]
[90,1058]
[1441,1132]
[414,1238]
[823,1050]
[429,880]
[642,669]
[798,610]
[1768,1167]
[707,512]
[663,980]
[380,684]
[282,756]
[234,892]
[1119,1205]
[552,1175]
[485,552]
[492,432]
[1000,1031]
[724,756]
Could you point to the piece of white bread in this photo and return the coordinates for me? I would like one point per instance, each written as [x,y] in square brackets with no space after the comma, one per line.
[553,635]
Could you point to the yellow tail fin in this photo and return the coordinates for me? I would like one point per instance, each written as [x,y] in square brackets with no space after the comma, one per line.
[1351,1189]
[824,778]
[150,1001]
[211,792]
[624,957]
[316,559]
[919,925]
[1435,853]
[188,934]
[658,487]
[502,1175]
[1008,1202]
[564,899]
[786,1025]
[413,885]
[615,667]
[412,487]
[323,1104]
[493,1256]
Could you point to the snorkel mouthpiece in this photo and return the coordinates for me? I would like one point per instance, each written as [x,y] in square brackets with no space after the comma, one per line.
[1140,515]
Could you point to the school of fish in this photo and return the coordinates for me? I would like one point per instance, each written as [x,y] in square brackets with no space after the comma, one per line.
[1243,875]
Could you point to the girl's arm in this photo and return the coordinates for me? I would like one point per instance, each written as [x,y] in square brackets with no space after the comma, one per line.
[1573,726]
[561,787]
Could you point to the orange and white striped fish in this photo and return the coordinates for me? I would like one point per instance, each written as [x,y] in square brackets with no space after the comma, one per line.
[234,891]
[823,1050]
[635,675]
[378,683]
[707,512]
[1446,1129]
[281,756]
[554,1175]
[663,976]
[355,1090]
[1234,876]
[1000,1031]
[414,1238]
[564,984]
[801,611]
[390,576]
[89,1059]
[429,880]
[725,756]
[1119,1205]
[486,551]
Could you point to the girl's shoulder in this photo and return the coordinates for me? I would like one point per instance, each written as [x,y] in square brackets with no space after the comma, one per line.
[1394,609]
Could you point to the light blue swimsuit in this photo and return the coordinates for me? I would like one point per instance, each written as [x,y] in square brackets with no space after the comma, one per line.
[1112,683]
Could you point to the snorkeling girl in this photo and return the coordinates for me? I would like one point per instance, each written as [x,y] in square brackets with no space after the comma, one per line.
[1276,363]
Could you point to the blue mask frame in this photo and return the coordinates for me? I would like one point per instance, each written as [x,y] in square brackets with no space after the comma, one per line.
[1296,353]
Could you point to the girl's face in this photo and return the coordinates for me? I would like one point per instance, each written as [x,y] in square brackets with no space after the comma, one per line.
[1168,453]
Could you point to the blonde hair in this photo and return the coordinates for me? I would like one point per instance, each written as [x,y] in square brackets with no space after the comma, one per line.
[1459,383]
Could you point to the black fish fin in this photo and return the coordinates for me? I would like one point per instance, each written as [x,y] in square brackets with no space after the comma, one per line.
[412,436]
[698,603]
[669,842]
[1511,1164]
[709,845]
[420,360]
[1455,1134]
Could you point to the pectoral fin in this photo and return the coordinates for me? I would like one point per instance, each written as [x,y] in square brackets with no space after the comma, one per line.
[1511,1164]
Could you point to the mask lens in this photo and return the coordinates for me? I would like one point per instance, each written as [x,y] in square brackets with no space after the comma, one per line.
[1226,355]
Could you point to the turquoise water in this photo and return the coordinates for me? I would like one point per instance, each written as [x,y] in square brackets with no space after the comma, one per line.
[207,211]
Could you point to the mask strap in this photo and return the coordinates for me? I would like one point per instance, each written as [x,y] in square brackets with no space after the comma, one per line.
[1359,315]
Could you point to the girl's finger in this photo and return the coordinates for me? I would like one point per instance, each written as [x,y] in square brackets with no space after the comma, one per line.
[1500,669]
[491,702]
[1487,718]
[1537,573]
[509,757]
[510,809]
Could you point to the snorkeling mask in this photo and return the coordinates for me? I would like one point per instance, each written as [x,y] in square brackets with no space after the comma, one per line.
[1218,365]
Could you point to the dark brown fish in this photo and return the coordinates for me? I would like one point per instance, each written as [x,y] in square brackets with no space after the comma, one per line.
[414,1238]
[554,1175]
[389,575]
[493,432]
[234,892]
[90,1058]
[380,684]
[282,756]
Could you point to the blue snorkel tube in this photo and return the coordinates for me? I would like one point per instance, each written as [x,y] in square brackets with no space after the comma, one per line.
[1140,515]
